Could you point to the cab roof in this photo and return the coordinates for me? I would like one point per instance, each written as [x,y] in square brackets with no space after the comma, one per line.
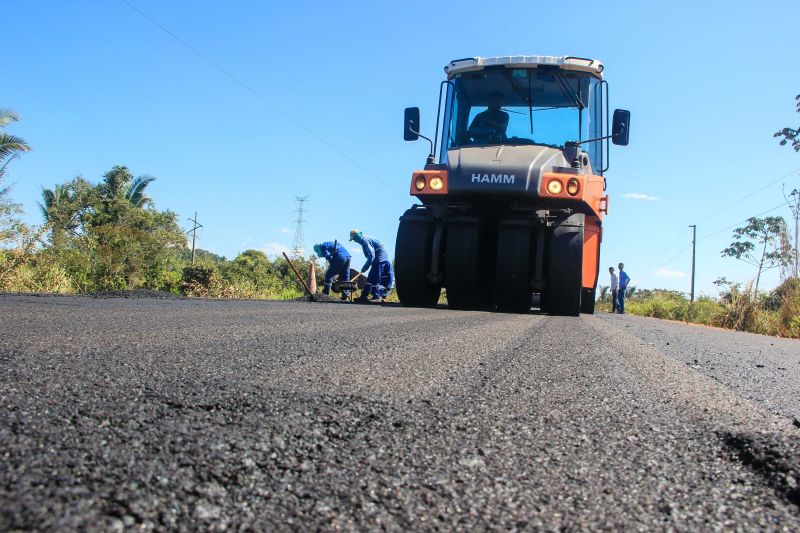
[468,64]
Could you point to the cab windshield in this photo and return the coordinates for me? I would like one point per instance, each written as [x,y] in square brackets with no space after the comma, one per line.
[544,106]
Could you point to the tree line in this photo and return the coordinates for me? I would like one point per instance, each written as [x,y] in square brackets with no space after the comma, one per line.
[109,236]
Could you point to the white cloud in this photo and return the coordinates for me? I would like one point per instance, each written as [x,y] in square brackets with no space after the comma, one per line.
[639,196]
[274,249]
[665,272]
[284,231]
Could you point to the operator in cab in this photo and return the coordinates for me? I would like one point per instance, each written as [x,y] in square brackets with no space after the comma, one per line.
[381,275]
[339,264]
[490,126]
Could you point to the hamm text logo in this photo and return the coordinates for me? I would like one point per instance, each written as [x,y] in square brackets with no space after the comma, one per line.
[493,178]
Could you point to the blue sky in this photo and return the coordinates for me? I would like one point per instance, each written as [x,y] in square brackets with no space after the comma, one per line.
[98,84]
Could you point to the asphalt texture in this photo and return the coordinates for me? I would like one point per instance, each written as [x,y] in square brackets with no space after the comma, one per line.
[762,368]
[156,414]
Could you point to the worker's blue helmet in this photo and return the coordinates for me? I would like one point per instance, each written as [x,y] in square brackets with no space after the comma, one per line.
[356,235]
[318,250]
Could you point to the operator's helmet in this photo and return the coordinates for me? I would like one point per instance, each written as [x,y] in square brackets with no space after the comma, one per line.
[356,235]
[318,250]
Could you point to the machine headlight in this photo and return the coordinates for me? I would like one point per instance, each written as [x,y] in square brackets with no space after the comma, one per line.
[436,183]
[419,182]
[555,186]
[573,186]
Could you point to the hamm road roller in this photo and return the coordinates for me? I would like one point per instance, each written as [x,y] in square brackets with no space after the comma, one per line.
[514,204]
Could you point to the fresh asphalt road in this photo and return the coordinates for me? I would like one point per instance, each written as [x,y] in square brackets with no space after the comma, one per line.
[192,414]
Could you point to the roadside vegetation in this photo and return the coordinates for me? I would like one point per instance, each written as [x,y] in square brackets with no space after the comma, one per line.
[776,312]
[109,236]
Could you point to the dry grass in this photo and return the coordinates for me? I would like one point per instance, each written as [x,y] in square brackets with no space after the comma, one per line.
[777,313]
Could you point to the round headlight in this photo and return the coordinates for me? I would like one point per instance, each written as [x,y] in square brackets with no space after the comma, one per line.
[419,182]
[436,183]
[573,186]
[555,186]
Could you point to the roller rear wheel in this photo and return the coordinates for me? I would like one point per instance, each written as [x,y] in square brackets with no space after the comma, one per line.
[564,280]
[413,251]
[588,298]
[462,264]
[512,289]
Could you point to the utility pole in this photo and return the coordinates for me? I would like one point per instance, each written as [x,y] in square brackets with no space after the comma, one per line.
[193,231]
[297,244]
[793,199]
[694,240]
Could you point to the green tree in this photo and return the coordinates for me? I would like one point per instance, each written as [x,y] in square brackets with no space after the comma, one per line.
[119,183]
[134,251]
[252,268]
[758,244]
[64,208]
[135,191]
[791,135]
[10,147]
[106,240]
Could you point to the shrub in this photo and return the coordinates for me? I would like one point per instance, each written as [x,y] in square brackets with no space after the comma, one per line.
[789,310]
[199,280]
[33,273]
[739,309]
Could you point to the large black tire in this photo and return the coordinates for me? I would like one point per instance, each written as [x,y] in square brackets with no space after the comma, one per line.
[413,261]
[588,298]
[512,288]
[564,278]
[462,264]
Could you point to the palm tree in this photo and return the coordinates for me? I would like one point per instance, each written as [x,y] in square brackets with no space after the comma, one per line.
[119,182]
[56,200]
[135,192]
[10,145]
[59,212]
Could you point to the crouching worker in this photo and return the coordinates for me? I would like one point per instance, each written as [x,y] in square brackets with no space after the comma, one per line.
[380,280]
[338,264]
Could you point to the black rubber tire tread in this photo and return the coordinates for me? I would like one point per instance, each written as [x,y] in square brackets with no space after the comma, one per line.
[461,278]
[413,259]
[588,298]
[512,289]
[564,280]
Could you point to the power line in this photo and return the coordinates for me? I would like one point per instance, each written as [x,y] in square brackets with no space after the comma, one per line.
[258,95]
[748,196]
[676,256]
[653,264]
[653,271]
[740,222]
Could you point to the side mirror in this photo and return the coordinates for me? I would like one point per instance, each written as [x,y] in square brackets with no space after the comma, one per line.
[620,127]
[411,124]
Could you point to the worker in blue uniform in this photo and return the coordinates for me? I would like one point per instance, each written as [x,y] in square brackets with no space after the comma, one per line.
[339,264]
[380,280]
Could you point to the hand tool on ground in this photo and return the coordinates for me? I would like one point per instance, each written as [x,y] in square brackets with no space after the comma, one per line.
[296,273]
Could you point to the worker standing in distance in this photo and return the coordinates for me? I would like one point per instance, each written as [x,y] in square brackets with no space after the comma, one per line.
[381,275]
[614,289]
[624,279]
[339,264]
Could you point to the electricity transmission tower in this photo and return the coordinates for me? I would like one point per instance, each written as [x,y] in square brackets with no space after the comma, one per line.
[298,245]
